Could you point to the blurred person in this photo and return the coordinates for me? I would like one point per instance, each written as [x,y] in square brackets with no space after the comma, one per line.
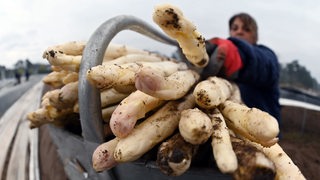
[27,74]
[17,76]
[253,67]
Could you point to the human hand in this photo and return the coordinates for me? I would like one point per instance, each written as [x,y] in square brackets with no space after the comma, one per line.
[225,59]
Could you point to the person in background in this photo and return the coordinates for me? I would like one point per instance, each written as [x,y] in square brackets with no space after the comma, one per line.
[17,76]
[253,67]
[27,74]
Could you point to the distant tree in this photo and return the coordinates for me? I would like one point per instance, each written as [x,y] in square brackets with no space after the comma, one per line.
[296,75]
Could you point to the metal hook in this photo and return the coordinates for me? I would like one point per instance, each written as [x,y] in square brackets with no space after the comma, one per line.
[89,96]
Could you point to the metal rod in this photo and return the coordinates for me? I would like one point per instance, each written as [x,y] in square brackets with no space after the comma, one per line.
[89,96]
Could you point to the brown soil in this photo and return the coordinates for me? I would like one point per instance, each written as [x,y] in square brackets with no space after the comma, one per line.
[300,139]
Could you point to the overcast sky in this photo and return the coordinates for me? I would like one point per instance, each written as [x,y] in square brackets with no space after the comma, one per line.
[290,27]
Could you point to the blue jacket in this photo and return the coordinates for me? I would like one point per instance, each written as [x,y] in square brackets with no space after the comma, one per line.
[258,80]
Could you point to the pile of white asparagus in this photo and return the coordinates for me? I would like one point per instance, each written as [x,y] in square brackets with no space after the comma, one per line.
[149,101]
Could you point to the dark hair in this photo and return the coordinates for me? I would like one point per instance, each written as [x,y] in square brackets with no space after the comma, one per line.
[248,22]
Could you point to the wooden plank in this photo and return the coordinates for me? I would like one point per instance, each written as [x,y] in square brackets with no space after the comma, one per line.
[34,170]
[19,154]
[21,107]
[14,115]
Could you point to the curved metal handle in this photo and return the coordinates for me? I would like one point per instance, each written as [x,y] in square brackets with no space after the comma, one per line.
[89,96]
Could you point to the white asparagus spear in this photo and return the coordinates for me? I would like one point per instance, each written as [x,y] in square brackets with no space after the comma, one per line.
[171,87]
[75,48]
[223,153]
[38,117]
[131,109]
[172,21]
[107,113]
[212,92]
[76,107]
[195,126]
[235,94]
[45,99]
[57,68]
[49,114]
[132,58]
[106,76]
[285,167]
[251,123]
[71,48]
[111,96]
[114,51]
[58,58]
[66,97]
[151,131]
[70,77]
[102,157]
[125,88]
[68,56]
[54,78]
[107,109]
[48,94]
[66,67]
[55,113]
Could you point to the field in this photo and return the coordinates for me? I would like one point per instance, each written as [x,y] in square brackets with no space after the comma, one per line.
[300,139]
